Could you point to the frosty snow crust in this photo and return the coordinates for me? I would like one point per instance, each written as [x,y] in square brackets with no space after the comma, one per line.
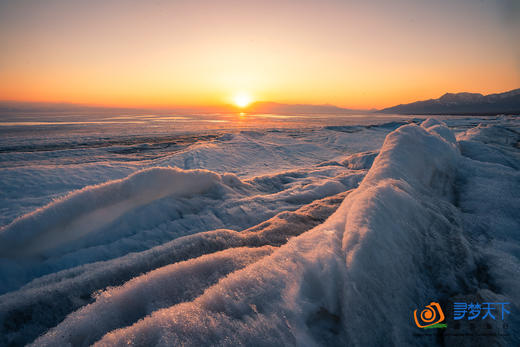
[420,225]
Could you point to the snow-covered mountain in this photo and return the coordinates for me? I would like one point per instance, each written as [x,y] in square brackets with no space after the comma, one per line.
[463,103]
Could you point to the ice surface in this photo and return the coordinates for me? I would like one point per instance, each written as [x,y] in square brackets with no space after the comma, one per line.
[45,301]
[144,294]
[32,178]
[397,241]
[151,207]
[431,215]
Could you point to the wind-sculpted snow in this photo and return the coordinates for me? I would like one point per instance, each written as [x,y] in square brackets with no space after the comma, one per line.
[492,144]
[31,179]
[92,208]
[489,199]
[395,243]
[144,294]
[433,219]
[44,302]
[358,161]
[149,208]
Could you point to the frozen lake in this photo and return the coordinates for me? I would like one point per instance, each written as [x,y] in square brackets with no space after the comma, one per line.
[138,222]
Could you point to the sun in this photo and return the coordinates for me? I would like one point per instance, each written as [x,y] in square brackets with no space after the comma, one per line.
[242,99]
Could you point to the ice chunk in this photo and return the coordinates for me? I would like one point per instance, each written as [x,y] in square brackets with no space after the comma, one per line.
[392,245]
[88,209]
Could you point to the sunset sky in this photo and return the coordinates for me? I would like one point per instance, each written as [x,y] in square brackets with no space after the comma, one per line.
[356,54]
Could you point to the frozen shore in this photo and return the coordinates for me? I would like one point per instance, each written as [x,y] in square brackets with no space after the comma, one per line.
[338,252]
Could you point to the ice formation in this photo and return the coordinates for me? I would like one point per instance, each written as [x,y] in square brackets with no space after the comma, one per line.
[364,240]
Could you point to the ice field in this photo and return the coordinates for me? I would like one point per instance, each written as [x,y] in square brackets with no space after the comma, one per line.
[268,230]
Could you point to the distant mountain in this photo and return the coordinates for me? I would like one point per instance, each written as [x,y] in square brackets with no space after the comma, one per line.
[463,103]
[14,107]
[274,107]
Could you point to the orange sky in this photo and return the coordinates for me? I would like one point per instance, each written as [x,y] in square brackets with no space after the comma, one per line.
[357,54]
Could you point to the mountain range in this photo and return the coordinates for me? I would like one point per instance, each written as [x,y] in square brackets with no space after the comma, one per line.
[463,103]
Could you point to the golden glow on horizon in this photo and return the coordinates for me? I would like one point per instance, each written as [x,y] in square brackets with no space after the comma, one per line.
[191,53]
[242,99]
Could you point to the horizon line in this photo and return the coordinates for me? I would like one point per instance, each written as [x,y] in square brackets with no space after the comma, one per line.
[224,107]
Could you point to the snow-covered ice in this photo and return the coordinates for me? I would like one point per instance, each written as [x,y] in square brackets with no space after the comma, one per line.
[330,235]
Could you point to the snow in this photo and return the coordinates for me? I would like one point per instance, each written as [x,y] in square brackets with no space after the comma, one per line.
[337,247]
[151,207]
[144,294]
[92,208]
[70,164]
[68,290]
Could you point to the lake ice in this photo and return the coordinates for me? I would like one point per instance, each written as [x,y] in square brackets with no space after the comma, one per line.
[322,231]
